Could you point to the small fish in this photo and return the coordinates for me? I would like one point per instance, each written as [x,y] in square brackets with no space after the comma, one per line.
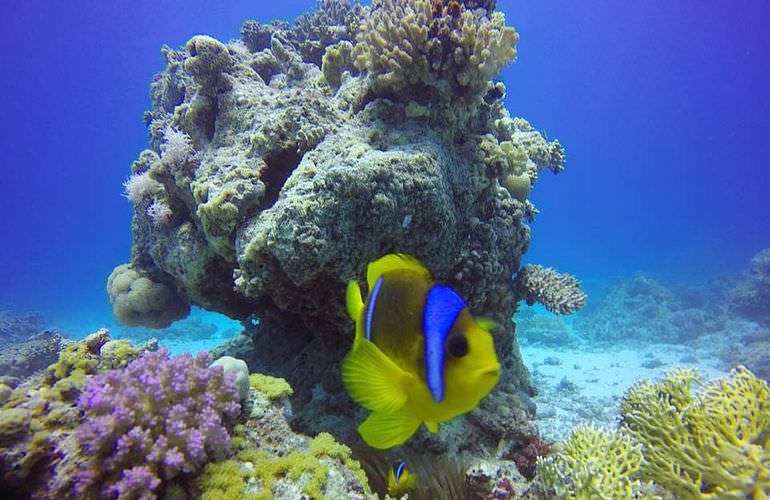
[400,480]
[418,355]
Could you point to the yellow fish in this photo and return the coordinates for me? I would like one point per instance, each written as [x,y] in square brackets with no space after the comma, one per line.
[418,354]
[400,480]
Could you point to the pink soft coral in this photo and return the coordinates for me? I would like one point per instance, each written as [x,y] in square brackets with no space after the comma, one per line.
[151,421]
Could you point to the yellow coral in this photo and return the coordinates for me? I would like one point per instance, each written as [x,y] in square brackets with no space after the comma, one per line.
[271,387]
[594,464]
[713,443]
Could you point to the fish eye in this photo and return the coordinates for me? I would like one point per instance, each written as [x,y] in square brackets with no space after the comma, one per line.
[457,345]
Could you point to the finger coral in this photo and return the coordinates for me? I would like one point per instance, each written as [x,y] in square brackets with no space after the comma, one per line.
[443,46]
[559,293]
[151,421]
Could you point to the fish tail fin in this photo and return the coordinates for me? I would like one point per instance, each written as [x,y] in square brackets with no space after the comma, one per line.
[393,261]
[355,306]
[385,430]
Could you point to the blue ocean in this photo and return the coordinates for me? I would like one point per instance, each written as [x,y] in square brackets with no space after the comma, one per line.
[585,182]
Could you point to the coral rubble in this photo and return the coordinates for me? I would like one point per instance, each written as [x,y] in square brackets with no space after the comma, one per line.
[287,160]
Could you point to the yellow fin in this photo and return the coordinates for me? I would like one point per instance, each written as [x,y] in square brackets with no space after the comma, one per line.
[355,305]
[385,430]
[432,426]
[393,261]
[487,324]
[373,380]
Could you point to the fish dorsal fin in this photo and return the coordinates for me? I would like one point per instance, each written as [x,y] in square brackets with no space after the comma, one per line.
[355,306]
[383,430]
[373,380]
[487,324]
[442,307]
[393,261]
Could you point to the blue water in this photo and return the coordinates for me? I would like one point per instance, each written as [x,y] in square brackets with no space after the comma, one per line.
[664,109]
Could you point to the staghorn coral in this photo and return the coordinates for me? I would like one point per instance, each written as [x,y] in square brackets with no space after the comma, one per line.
[706,443]
[557,292]
[594,463]
[150,421]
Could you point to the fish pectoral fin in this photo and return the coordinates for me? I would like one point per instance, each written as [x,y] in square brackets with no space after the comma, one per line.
[385,430]
[355,306]
[432,426]
[373,380]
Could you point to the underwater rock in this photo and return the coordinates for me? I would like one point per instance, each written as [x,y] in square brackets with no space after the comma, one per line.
[751,297]
[284,185]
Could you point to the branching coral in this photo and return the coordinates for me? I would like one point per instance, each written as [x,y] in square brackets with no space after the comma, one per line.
[447,48]
[594,463]
[557,292]
[151,421]
[707,443]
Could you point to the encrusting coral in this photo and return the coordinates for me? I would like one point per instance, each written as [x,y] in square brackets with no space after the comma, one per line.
[282,184]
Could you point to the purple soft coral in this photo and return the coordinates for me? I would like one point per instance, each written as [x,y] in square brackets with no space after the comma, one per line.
[152,420]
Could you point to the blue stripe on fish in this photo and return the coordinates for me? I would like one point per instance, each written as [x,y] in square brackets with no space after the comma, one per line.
[442,306]
[398,471]
[369,314]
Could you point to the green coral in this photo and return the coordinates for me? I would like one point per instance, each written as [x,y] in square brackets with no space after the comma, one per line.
[711,443]
[593,464]
[271,387]
[255,473]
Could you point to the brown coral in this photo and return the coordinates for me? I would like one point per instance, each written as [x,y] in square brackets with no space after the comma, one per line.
[558,292]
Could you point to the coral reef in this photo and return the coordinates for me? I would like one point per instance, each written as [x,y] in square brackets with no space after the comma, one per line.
[642,309]
[559,293]
[18,327]
[751,297]
[31,454]
[751,350]
[22,359]
[284,175]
